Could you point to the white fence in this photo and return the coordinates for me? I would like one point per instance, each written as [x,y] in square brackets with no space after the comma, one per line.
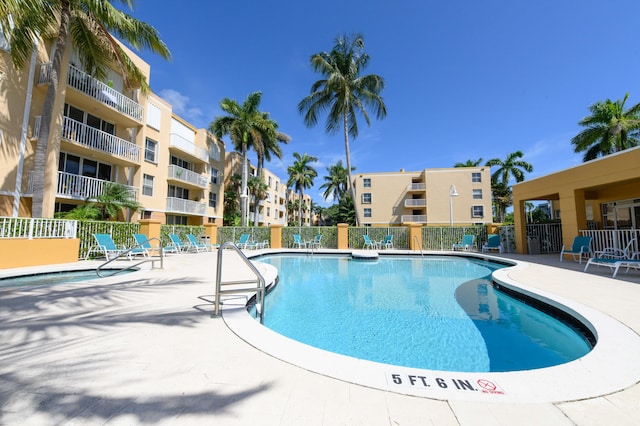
[15,227]
[613,238]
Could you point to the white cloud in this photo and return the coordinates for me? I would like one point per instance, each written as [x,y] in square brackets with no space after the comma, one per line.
[180,104]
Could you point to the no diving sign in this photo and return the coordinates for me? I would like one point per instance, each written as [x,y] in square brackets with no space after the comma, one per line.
[453,384]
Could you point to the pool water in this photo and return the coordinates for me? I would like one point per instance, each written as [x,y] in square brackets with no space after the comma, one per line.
[434,313]
[52,278]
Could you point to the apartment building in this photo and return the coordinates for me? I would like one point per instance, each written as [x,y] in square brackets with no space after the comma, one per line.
[448,196]
[103,132]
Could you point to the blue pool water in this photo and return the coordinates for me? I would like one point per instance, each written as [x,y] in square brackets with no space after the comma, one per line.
[434,313]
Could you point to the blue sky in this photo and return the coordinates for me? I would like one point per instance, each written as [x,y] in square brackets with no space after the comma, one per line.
[464,79]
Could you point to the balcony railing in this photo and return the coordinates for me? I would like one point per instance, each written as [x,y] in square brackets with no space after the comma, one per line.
[185,175]
[96,89]
[177,141]
[420,218]
[179,205]
[416,202]
[83,187]
[97,139]
[416,187]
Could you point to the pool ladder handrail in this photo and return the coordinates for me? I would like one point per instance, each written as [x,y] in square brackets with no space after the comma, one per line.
[260,287]
[127,253]
[417,244]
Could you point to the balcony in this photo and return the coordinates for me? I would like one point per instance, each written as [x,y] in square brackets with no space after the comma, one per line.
[420,218]
[177,141]
[179,205]
[90,86]
[187,176]
[416,202]
[93,138]
[416,187]
[80,187]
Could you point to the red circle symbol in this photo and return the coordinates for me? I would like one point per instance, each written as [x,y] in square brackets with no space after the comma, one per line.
[486,384]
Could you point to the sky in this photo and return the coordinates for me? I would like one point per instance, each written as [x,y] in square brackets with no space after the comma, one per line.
[464,79]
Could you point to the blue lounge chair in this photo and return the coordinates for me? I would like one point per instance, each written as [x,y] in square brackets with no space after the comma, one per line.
[245,243]
[107,247]
[180,246]
[581,247]
[493,244]
[316,242]
[197,245]
[145,245]
[387,243]
[297,241]
[615,258]
[466,244]
[368,243]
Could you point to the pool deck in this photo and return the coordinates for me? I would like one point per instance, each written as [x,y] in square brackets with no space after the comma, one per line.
[142,348]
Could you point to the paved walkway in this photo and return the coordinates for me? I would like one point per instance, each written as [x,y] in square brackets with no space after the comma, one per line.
[142,348]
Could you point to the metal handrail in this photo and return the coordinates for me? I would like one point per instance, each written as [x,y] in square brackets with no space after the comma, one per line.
[260,289]
[127,252]
[417,243]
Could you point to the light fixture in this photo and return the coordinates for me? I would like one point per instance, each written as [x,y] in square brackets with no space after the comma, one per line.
[452,193]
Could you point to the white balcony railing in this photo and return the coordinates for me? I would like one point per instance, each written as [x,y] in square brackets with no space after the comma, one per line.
[416,202]
[416,187]
[91,137]
[29,228]
[177,141]
[420,218]
[96,89]
[82,187]
[185,175]
[179,205]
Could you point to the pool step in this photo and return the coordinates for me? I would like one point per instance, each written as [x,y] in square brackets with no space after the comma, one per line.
[364,254]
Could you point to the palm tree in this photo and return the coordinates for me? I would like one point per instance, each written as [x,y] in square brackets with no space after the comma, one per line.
[344,93]
[258,190]
[469,163]
[336,181]
[114,198]
[511,166]
[231,201]
[89,25]
[502,198]
[609,129]
[268,145]
[301,176]
[246,126]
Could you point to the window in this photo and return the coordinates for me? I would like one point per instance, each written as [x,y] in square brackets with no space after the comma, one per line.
[214,175]
[366,182]
[477,194]
[366,198]
[147,185]
[146,214]
[213,199]
[178,192]
[268,211]
[150,150]
[176,220]
[477,211]
[269,184]
[367,212]
[476,177]
[89,120]
[181,163]
[75,165]
[214,151]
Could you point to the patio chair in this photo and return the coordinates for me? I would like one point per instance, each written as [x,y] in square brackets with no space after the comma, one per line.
[615,258]
[466,244]
[581,247]
[197,245]
[107,247]
[145,245]
[245,243]
[316,242]
[297,241]
[181,247]
[387,242]
[493,244]
[368,243]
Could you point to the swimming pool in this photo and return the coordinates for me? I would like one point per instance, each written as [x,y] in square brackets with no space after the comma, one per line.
[437,313]
[55,277]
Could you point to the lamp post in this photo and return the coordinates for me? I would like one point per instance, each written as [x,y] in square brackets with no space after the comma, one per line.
[452,193]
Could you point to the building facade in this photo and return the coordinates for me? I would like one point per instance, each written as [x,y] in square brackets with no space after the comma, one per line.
[450,196]
[103,132]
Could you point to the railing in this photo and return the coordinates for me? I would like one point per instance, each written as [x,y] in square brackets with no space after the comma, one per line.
[444,237]
[415,202]
[613,238]
[37,120]
[421,218]
[81,187]
[128,253]
[91,137]
[44,76]
[416,187]
[185,175]
[239,286]
[400,235]
[177,141]
[180,205]
[14,227]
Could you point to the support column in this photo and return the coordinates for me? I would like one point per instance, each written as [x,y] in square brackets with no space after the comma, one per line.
[415,236]
[520,228]
[343,236]
[151,228]
[211,231]
[276,236]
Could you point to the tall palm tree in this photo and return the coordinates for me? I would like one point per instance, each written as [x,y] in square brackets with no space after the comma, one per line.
[90,26]
[336,181]
[343,92]
[258,190]
[511,166]
[609,129]
[301,175]
[245,125]
[502,197]
[269,144]
[469,163]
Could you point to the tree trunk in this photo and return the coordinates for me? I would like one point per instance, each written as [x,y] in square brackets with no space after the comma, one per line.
[350,186]
[243,191]
[300,201]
